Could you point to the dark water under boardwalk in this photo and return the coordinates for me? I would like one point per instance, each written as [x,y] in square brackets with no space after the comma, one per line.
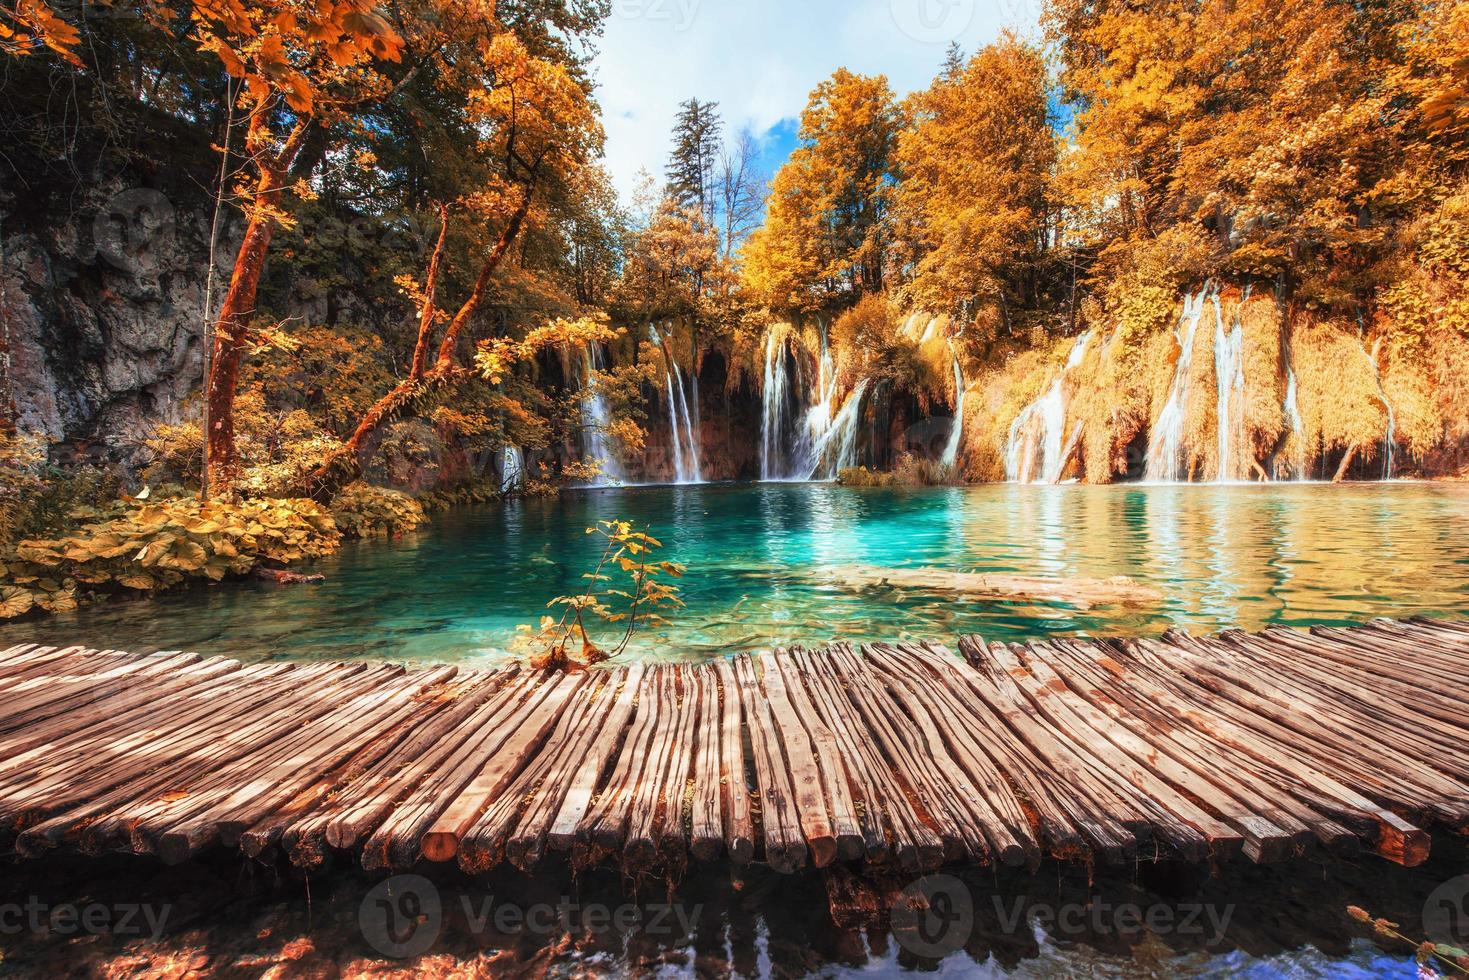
[228,917]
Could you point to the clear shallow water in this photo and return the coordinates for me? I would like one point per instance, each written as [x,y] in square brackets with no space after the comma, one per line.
[760,560]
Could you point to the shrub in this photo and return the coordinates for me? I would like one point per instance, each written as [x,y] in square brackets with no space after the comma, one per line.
[150,546]
[363,511]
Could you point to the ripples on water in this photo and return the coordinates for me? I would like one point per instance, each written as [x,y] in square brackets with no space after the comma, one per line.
[759,560]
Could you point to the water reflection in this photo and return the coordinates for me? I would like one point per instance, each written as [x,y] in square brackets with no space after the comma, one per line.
[761,561]
[1151,921]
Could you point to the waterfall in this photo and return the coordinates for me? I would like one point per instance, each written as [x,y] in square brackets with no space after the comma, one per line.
[595,419]
[512,468]
[956,431]
[683,434]
[1389,438]
[836,448]
[1166,445]
[1041,426]
[1229,375]
[1293,413]
[772,408]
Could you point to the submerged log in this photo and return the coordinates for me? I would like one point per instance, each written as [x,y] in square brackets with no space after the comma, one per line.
[1083,593]
[282,577]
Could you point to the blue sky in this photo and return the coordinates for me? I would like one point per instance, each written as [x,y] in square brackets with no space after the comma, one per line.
[759,59]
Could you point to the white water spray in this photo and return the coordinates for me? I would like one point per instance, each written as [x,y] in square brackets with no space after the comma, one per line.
[683,434]
[1036,450]
[1229,374]
[596,418]
[1165,448]
[956,431]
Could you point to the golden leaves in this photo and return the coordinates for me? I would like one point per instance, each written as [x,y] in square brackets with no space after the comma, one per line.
[156,545]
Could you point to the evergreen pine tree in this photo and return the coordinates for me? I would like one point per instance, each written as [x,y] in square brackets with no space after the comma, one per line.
[691,165]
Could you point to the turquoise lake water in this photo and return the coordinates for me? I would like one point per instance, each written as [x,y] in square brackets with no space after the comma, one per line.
[761,561]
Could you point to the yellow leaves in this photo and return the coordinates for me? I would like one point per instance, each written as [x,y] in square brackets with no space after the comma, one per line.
[155,545]
[14,601]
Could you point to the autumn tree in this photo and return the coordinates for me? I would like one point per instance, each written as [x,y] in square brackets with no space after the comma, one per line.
[825,231]
[1247,135]
[539,126]
[971,205]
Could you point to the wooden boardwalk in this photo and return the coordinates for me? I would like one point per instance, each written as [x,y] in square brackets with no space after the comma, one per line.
[903,756]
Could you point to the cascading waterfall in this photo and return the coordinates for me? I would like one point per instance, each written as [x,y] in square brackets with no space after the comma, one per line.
[836,448]
[1229,374]
[1040,426]
[683,434]
[772,408]
[512,468]
[956,431]
[1165,448]
[1293,413]
[822,439]
[1389,438]
[595,419]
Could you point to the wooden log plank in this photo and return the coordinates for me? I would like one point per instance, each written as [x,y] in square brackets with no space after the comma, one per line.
[1120,754]
[917,846]
[947,778]
[706,826]
[344,817]
[603,828]
[1087,766]
[1065,822]
[834,774]
[1252,738]
[397,842]
[739,821]
[1395,782]
[170,826]
[808,791]
[1007,826]
[1364,725]
[388,734]
[785,847]
[441,839]
[1194,752]
[515,826]
[587,777]
[329,745]
[1440,718]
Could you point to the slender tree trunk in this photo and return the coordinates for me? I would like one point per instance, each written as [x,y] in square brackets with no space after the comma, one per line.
[1346,462]
[232,326]
[407,398]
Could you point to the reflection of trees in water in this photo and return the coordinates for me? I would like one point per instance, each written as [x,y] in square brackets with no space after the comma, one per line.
[1284,919]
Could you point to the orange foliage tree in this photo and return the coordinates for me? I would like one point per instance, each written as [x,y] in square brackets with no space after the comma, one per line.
[540,127]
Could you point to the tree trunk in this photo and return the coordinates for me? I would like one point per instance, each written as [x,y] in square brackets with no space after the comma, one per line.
[406,400]
[1346,462]
[232,327]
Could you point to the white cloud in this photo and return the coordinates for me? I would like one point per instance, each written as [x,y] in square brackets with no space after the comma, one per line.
[759,59]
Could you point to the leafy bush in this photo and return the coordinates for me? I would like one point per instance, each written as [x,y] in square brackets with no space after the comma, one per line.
[363,511]
[150,546]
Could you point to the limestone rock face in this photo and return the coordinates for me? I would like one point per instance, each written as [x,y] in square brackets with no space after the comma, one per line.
[103,320]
